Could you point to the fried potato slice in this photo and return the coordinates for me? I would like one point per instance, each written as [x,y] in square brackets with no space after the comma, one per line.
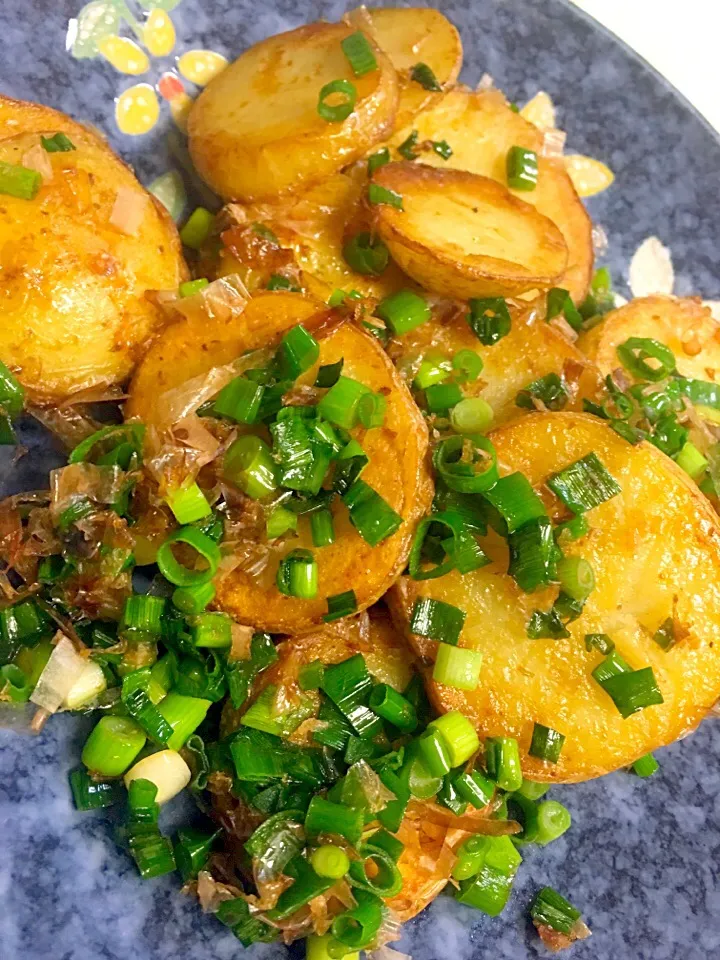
[531,350]
[77,259]
[686,326]
[255,131]
[480,128]
[655,552]
[412,35]
[462,235]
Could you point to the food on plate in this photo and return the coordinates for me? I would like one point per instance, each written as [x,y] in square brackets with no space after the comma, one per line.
[422,523]
[292,110]
[82,242]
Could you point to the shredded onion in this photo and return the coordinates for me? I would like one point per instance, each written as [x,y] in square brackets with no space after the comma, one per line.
[100,484]
[61,672]
[36,158]
[553,143]
[211,893]
[128,210]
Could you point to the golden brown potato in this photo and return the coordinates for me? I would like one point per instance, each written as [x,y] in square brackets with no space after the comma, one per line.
[255,131]
[480,128]
[76,261]
[655,552]
[531,350]
[397,469]
[412,35]
[462,235]
[685,326]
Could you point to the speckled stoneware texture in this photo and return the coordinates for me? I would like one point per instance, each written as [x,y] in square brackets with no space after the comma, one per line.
[641,859]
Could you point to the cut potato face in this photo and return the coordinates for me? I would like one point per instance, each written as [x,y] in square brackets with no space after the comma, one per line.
[685,326]
[531,350]
[655,553]
[461,235]
[77,259]
[255,131]
[410,36]
[480,128]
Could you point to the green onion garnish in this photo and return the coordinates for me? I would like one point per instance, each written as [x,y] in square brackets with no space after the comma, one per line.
[691,461]
[664,636]
[279,522]
[371,410]
[437,620]
[467,464]
[341,109]
[58,143]
[522,168]
[340,403]
[572,530]
[474,788]
[330,861]
[340,605]
[385,881]
[611,666]
[143,612]
[184,714]
[240,400]
[549,909]
[325,817]
[212,630]
[467,365]
[433,369]
[576,577]
[371,515]
[546,626]
[298,351]
[584,484]
[633,690]
[90,794]
[407,147]
[18,181]
[279,282]
[440,397]
[459,735]
[489,319]
[191,287]
[197,228]
[203,546]
[375,161]
[471,415]
[600,642]
[112,746]
[12,394]
[297,575]
[328,375]
[322,528]
[248,463]
[502,762]
[378,195]
[516,501]
[192,848]
[553,820]
[549,390]
[489,891]
[546,743]
[442,148]
[188,503]
[193,600]
[393,707]
[248,928]
[403,311]
[359,53]
[457,667]
[366,255]
[422,74]
[636,351]
[646,766]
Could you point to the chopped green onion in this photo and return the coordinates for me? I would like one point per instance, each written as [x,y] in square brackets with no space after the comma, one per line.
[548,626]
[549,909]
[113,745]
[522,168]
[302,462]
[559,302]
[325,817]
[260,757]
[646,766]
[279,282]
[442,148]
[584,484]
[516,501]
[279,522]
[330,861]
[546,743]
[379,195]
[468,365]
[437,620]
[573,529]
[386,879]
[125,436]
[457,667]
[393,707]
[12,394]
[358,927]
[318,948]
[422,74]
[532,554]
[184,714]
[339,110]
[549,390]
[440,397]
[240,400]
[328,375]
[435,752]
[18,181]
[691,461]
[701,392]
[387,842]
[311,675]
[636,351]
[298,351]
[297,575]
[433,369]
[359,53]
[600,642]
[197,228]
[460,736]
[474,788]
[403,311]
[136,696]
[340,605]
[58,143]
[322,529]
[611,666]
[142,800]
[467,464]
[366,255]
[152,853]
[489,319]
[633,690]
[192,848]
[203,546]
[576,577]
[340,403]
[470,857]
[188,503]
[212,630]
[371,515]
[248,463]
[407,147]
[143,612]
[90,794]
[191,287]
[350,463]
[664,636]
[488,890]
[502,762]
[462,549]
[247,927]
[375,161]
[471,415]
[371,410]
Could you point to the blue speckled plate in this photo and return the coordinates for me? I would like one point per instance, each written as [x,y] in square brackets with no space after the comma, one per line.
[642,857]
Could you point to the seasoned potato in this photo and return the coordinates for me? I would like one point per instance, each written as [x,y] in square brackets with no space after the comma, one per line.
[655,552]
[74,269]
[410,36]
[463,235]
[255,131]
[531,350]
[685,326]
[480,128]
[397,469]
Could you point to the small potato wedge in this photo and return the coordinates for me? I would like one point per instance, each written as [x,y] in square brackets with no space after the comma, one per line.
[255,132]
[462,235]
[531,350]
[412,35]
[655,552]
[687,327]
[77,259]
[480,129]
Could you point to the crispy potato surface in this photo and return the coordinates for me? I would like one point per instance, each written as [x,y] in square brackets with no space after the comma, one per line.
[687,327]
[655,552]
[72,282]
[255,131]
[480,128]
[463,235]
[531,350]
[409,36]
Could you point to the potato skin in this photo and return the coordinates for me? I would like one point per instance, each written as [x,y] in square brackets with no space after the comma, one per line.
[72,285]
[687,327]
[532,349]
[655,552]
[255,133]
[448,235]
[481,128]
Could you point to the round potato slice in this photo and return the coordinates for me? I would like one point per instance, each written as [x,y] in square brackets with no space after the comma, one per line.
[533,349]
[255,131]
[462,235]
[685,326]
[655,552]
[480,129]
[77,259]
[410,36]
